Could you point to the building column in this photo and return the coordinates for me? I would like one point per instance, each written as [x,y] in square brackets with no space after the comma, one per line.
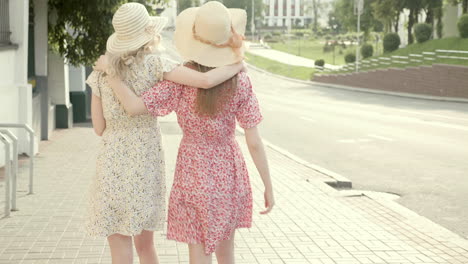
[288,14]
[59,88]
[297,11]
[19,25]
[47,110]
[271,13]
[280,13]
[78,93]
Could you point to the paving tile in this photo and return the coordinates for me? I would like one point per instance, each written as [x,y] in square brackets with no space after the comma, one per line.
[311,223]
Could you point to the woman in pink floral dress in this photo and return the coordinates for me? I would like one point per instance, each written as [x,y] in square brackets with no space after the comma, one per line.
[211,195]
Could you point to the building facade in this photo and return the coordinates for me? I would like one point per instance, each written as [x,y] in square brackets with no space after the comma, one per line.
[36,85]
[286,13]
[15,91]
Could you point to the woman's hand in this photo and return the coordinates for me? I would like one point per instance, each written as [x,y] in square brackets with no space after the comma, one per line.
[244,66]
[101,64]
[269,201]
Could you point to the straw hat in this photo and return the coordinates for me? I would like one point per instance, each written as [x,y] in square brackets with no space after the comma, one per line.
[133,28]
[211,35]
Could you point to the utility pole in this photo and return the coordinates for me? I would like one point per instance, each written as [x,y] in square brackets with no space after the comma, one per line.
[358,8]
[252,26]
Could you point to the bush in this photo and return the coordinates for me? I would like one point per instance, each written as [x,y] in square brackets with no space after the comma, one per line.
[422,32]
[367,50]
[463,26]
[350,58]
[268,36]
[320,63]
[391,42]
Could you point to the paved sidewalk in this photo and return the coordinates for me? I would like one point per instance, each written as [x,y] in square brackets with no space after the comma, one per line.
[312,223]
[287,58]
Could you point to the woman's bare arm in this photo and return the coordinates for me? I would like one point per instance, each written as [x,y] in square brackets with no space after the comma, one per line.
[132,103]
[205,80]
[257,151]
[97,116]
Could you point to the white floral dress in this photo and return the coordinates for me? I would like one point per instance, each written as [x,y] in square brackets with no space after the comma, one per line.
[127,194]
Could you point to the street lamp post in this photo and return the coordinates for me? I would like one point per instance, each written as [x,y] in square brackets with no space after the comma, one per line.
[252,25]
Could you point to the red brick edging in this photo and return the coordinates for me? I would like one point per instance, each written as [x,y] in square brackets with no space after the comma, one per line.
[436,80]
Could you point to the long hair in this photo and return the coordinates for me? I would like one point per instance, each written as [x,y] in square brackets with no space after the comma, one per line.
[211,101]
[119,64]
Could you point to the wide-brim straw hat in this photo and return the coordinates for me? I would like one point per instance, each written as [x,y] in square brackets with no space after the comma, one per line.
[134,27]
[211,35]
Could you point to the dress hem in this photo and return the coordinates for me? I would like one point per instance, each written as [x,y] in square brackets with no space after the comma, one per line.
[179,238]
[131,233]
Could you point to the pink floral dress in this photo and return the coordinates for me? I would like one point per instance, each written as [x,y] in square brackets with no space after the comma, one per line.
[211,195]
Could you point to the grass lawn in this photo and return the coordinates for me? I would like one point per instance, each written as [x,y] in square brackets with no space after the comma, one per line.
[313,49]
[432,45]
[429,46]
[297,72]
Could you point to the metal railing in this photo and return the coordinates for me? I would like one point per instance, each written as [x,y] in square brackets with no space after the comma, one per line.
[4,23]
[7,144]
[14,169]
[425,58]
[30,131]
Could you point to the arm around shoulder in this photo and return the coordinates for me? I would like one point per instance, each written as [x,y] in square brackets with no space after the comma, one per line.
[132,103]
[186,76]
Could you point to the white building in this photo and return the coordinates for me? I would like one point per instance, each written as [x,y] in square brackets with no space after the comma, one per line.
[279,13]
[15,92]
[34,82]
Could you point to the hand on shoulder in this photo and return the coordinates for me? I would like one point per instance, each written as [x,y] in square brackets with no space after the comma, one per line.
[101,64]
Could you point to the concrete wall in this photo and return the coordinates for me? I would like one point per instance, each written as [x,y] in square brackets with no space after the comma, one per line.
[450,19]
[76,78]
[437,80]
[15,92]
[58,81]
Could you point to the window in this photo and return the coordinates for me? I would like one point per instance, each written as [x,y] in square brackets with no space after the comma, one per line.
[4,23]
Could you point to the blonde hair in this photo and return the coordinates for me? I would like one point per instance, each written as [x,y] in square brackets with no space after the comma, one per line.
[119,64]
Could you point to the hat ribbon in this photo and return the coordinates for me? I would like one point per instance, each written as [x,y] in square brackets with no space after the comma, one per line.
[234,42]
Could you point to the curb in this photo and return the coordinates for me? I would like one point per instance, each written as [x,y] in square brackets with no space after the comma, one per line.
[336,180]
[365,90]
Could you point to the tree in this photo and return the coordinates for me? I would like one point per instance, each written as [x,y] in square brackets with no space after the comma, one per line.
[388,12]
[184,4]
[415,7]
[344,11]
[334,23]
[79,32]
[315,8]
[433,9]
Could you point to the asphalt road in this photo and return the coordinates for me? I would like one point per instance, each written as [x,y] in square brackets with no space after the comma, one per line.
[415,148]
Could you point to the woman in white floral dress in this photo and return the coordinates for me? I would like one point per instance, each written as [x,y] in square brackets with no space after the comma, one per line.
[127,195]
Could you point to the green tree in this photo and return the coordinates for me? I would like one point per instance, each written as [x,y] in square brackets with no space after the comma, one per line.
[335,26]
[433,10]
[184,4]
[388,12]
[415,7]
[79,32]
[344,11]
